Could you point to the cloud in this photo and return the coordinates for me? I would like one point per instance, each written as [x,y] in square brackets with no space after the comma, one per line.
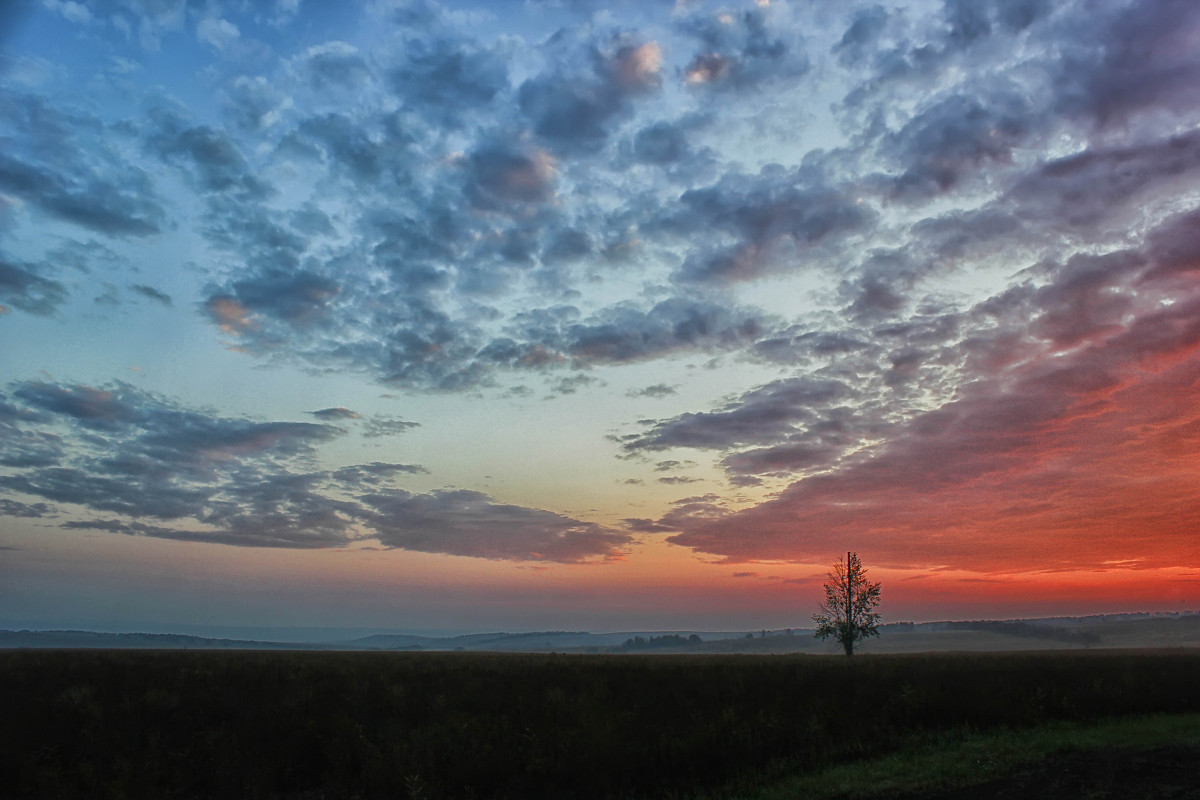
[956,137]
[970,224]
[1102,184]
[653,391]
[462,522]
[772,216]
[573,383]
[766,414]
[449,79]
[210,158]
[22,288]
[64,165]
[334,414]
[1140,57]
[151,293]
[335,66]
[574,111]
[375,473]
[517,175]
[167,471]
[137,454]
[12,508]
[742,50]
[218,32]
[101,408]
[380,425]
[1067,440]
[623,334]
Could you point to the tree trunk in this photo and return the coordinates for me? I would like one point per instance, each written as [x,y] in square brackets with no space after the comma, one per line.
[849,642]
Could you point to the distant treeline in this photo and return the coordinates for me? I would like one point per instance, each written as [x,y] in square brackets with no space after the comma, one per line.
[669,640]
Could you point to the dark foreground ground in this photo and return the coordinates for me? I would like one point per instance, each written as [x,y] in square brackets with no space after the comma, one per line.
[1160,773]
[224,724]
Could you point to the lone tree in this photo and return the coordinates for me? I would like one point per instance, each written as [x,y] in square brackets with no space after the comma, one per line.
[848,612]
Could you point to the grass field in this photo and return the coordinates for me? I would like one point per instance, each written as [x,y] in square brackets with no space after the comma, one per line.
[193,724]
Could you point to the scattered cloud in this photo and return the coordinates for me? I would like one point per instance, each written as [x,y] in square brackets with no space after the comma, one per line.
[135,456]
[150,293]
[653,391]
[954,243]
[380,425]
[462,522]
[333,414]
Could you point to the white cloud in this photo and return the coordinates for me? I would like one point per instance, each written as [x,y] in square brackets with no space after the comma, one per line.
[219,33]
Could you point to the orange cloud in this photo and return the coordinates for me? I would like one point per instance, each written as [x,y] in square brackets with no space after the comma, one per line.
[230,315]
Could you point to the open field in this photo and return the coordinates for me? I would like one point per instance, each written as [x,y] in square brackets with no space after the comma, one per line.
[1112,631]
[332,724]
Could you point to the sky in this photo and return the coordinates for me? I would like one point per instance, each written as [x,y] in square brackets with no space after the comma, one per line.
[565,315]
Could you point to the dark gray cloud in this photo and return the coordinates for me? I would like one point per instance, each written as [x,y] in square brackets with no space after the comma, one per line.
[335,414]
[449,79]
[653,391]
[957,137]
[660,143]
[574,110]
[121,204]
[859,40]
[150,293]
[379,425]
[1102,184]
[23,288]
[208,155]
[769,413]
[1129,58]
[64,163]
[137,454]
[375,473]
[168,471]
[624,334]
[677,480]
[102,408]
[462,522]
[507,174]
[573,383]
[12,508]
[771,216]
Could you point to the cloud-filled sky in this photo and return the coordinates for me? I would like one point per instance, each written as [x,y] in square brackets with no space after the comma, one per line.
[572,314]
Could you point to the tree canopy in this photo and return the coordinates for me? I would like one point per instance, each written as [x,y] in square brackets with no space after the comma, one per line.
[848,611]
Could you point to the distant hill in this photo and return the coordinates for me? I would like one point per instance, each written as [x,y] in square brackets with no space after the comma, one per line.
[1103,631]
[140,641]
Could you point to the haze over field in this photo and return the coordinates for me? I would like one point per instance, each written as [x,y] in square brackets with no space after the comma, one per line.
[561,314]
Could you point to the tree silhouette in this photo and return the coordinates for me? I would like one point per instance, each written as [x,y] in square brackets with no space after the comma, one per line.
[848,612]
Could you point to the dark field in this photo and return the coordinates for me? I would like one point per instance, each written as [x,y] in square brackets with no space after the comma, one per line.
[193,724]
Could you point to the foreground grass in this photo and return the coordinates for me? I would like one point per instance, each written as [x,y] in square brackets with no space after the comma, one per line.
[279,725]
[959,760]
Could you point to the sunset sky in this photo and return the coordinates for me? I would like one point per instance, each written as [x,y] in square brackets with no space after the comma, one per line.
[570,314]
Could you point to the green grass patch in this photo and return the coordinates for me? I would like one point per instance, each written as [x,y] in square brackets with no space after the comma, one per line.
[954,760]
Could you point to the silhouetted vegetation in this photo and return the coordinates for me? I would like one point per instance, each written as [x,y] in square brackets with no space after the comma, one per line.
[669,640]
[848,610]
[308,724]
